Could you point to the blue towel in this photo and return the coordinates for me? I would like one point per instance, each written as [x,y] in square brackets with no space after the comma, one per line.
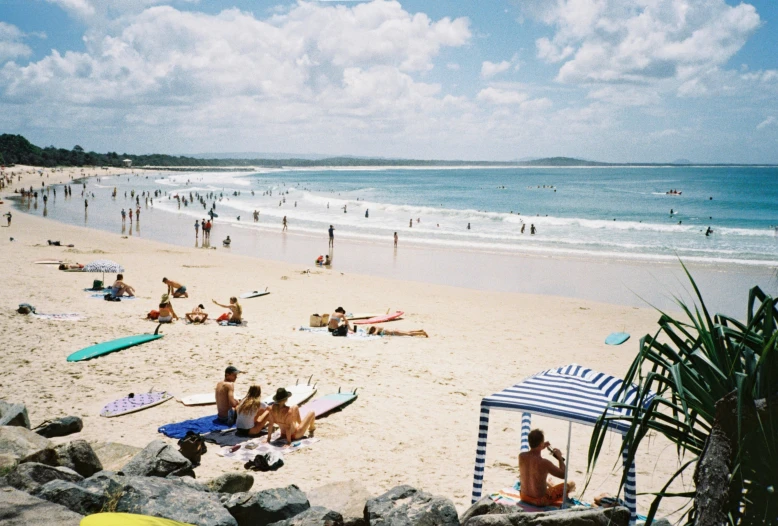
[202,425]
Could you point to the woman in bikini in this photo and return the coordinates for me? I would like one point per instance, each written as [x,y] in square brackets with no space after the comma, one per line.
[380,331]
[252,414]
[166,313]
[288,419]
[198,315]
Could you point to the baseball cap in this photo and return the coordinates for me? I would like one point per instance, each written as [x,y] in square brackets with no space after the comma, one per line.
[232,370]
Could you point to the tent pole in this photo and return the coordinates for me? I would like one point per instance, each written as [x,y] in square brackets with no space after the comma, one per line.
[567,463]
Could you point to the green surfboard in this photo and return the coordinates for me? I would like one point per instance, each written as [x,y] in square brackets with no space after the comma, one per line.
[114,345]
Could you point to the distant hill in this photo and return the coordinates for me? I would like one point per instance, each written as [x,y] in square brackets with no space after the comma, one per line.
[562,161]
[258,155]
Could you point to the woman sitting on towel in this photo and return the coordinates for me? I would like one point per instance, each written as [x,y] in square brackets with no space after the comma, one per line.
[166,313]
[380,331]
[288,419]
[252,414]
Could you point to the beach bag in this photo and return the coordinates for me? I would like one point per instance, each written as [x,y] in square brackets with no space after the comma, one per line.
[270,461]
[153,315]
[340,331]
[192,446]
[97,285]
[316,321]
[223,317]
[25,308]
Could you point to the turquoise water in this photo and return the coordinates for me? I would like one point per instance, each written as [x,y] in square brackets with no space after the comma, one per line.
[609,212]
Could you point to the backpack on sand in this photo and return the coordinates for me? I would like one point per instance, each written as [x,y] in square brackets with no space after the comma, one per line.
[192,446]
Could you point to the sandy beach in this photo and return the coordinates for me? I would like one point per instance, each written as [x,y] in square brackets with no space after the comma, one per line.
[416,419]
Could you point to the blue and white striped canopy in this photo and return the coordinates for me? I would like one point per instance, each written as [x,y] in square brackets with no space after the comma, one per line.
[571,392]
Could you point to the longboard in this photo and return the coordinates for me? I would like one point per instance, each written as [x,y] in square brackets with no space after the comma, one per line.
[300,394]
[134,402]
[325,405]
[616,338]
[104,348]
[380,319]
[254,294]
[360,316]
[48,262]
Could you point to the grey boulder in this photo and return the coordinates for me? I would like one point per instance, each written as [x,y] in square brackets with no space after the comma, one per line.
[7,463]
[572,517]
[17,508]
[78,499]
[79,456]
[407,506]
[67,425]
[13,415]
[114,455]
[158,459]
[315,516]
[21,442]
[231,483]
[347,498]
[267,506]
[485,506]
[31,475]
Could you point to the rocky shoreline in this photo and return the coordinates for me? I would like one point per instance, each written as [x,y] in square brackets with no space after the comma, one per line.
[45,483]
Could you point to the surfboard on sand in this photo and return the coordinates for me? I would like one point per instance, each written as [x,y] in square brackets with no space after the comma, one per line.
[616,338]
[101,349]
[135,402]
[127,519]
[300,394]
[325,405]
[380,319]
[360,316]
[48,262]
[254,294]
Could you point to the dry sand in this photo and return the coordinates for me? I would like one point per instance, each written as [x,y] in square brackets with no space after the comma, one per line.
[416,419]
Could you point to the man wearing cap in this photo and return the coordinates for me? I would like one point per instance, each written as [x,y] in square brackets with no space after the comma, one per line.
[225,396]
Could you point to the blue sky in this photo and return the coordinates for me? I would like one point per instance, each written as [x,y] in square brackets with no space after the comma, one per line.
[612,80]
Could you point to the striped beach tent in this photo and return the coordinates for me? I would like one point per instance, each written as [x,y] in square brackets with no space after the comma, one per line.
[573,393]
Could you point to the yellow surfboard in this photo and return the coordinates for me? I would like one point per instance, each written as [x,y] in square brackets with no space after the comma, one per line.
[127,519]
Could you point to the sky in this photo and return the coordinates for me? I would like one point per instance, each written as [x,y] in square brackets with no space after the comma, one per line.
[608,80]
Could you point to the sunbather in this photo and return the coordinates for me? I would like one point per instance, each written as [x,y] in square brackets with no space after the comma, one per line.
[337,320]
[120,288]
[225,399]
[70,266]
[253,414]
[236,311]
[380,331]
[166,313]
[175,289]
[534,470]
[198,315]
[288,419]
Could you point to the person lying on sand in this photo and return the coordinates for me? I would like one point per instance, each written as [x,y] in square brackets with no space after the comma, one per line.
[236,311]
[534,470]
[288,419]
[175,289]
[198,315]
[225,396]
[120,288]
[337,318]
[166,313]
[380,331]
[252,413]
[70,266]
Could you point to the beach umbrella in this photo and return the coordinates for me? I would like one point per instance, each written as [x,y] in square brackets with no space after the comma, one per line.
[103,265]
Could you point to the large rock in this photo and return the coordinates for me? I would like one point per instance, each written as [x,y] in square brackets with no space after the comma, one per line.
[114,455]
[17,508]
[347,498]
[170,499]
[268,506]
[74,497]
[60,427]
[7,463]
[572,517]
[485,506]
[315,516]
[13,415]
[158,459]
[20,442]
[31,475]
[231,483]
[407,506]
[79,456]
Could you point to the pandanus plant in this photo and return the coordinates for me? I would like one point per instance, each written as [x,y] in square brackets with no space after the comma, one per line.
[716,385]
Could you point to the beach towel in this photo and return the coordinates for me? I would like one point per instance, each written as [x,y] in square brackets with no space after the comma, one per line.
[102,295]
[244,323]
[227,437]
[511,496]
[259,446]
[198,425]
[71,316]
[360,335]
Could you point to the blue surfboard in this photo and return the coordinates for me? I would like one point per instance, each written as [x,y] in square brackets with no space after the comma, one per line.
[104,348]
[616,338]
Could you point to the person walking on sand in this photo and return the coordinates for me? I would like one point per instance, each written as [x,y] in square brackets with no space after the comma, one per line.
[534,471]
[395,240]
[332,236]
[8,218]
[283,221]
[175,289]
[225,396]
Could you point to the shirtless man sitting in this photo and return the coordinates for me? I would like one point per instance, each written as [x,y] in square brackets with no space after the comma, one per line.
[336,318]
[175,289]
[288,419]
[236,311]
[225,396]
[534,471]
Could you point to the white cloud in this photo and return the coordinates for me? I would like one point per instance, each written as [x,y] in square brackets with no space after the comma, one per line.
[11,45]
[453,66]
[490,69]
[641,41]
[500,96]
[626,95]
[768,75]
[769,121]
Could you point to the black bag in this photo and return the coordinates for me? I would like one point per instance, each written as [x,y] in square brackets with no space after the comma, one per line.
[192,446]
[270,461]
[342,330]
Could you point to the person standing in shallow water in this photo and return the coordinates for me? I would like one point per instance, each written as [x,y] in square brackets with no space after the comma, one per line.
[532,229]
[395,240]
[284,223]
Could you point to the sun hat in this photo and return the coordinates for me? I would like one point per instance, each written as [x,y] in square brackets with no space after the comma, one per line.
[281,395]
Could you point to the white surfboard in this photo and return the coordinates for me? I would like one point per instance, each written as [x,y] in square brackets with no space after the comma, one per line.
[203,399]
[254,294]
[300,394]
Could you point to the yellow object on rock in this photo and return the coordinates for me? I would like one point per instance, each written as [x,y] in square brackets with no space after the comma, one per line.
[127,519]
